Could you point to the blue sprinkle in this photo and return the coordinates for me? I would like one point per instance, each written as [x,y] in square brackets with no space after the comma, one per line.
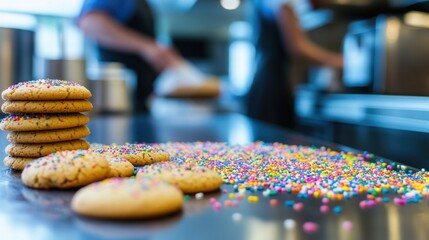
[289,203]
[337,210]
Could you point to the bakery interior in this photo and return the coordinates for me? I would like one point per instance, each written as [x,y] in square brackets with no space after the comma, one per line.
[378,103]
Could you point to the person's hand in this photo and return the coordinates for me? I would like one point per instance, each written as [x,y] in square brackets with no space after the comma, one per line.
[337,61]
[161,57]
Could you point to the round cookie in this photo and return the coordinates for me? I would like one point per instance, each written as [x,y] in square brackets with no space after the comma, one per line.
[65,169]
[35,150]
[46,89]
[136,154]
[49,136]
[17,163]
[127,198]
[119,167]
[40,122]
[70,106]
[207,89]
[189,178]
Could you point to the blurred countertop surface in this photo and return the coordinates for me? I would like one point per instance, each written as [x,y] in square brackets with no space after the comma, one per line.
[32,214]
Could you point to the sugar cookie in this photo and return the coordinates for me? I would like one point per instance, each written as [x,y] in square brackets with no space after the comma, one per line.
[46,89]
[49,136]
[136,154]
[70,106]
[40,122]
[35,150]
[190,178]
[127,198]
[65,169]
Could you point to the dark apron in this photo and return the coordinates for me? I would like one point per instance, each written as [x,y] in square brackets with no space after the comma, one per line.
[270,97]
[142,21]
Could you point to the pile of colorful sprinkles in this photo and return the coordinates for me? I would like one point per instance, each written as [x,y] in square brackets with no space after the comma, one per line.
[48,83]
[303,170]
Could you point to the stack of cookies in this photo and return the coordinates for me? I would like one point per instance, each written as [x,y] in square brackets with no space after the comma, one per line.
[44,117]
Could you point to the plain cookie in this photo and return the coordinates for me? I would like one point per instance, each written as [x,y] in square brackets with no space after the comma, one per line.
[70,106]
[65,169]
[136,154]
[119,167]
[208,89]
[46,89]
[16,163]
[35,150]
[40,122]
[127,198]
[49,136]
[190,178]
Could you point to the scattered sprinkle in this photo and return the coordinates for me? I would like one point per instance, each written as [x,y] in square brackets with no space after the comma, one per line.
[298,206]
[199,195]
[289,224]
[274,202]
[347,225]
[310,227]
[337,209]
[253,199]
[324,209]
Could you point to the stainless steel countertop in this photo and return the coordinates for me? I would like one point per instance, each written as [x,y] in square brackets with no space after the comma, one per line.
[33,214]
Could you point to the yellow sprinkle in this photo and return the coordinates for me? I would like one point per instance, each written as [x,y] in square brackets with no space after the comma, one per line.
[253,199]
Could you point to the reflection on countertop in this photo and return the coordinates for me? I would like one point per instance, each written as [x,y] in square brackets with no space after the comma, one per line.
[396,127]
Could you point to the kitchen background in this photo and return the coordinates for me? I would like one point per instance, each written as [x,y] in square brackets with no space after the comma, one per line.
[378,103]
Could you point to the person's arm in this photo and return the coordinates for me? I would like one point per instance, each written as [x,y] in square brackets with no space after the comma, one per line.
[299,45]
[108,32]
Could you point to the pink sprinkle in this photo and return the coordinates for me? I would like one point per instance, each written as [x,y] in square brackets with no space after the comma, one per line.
[399,201]
[379,200]
[347,225]
[325,200]
[224,191]
[227,203]
[217,206]
[298,206]
[213,200]
[324,209]
[310,227]
[371,203]
[234,203]
[362,204]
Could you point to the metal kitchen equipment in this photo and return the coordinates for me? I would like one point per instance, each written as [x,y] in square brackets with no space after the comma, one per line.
[16,58]
[67,69]
[389,54]
[112,87]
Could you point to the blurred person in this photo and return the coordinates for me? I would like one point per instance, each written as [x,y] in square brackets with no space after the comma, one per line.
[279,40]
[124,32]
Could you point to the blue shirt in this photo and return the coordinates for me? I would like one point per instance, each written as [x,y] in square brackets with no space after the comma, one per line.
[270,8]
[120,10]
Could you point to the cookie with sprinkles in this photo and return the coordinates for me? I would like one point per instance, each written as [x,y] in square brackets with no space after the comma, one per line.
[136,154]
[16,163]
[119,167]
[69,106]
[49,136]
[65,169]
[127,198]
[35,150]
[46,89]
[190,178]
[39,122]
